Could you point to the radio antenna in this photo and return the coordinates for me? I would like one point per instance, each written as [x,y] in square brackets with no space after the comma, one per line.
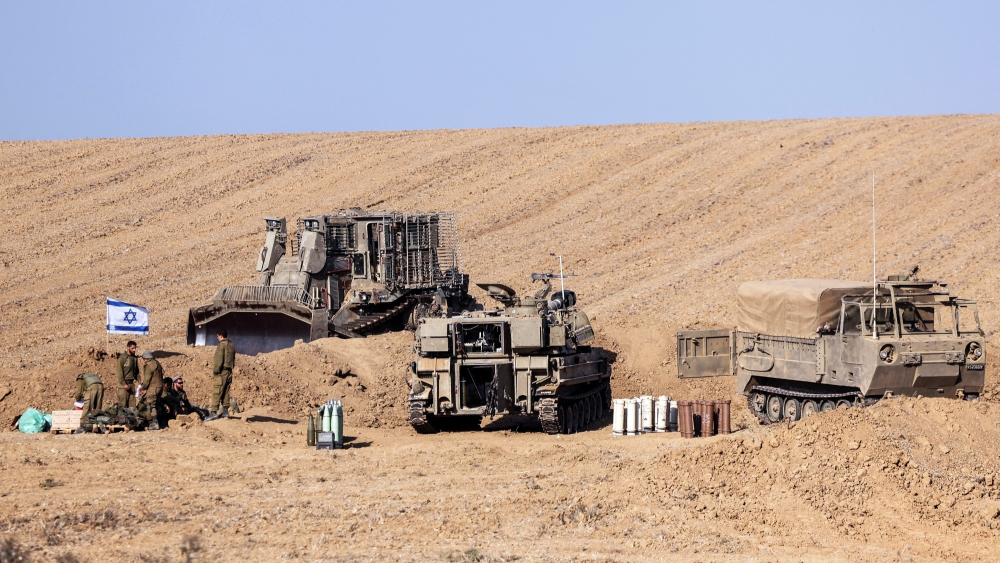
[562,279]
[874,278]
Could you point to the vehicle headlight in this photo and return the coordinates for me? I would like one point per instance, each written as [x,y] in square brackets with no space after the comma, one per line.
[973,352]
[887,354]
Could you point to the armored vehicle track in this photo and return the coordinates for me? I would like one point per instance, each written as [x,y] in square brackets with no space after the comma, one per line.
[774,404]
[568,414]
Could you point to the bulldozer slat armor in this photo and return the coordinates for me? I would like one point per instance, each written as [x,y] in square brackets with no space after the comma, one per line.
[346,274]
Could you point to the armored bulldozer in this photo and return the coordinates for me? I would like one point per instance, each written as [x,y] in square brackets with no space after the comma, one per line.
[532,355]
[803,346]
[347,274]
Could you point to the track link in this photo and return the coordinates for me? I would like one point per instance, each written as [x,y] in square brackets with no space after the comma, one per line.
[549,407]
[365,324]
[418,418]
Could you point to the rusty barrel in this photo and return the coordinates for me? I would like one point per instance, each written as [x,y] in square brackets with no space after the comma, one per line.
[706,418]
[685,419]
[724,421]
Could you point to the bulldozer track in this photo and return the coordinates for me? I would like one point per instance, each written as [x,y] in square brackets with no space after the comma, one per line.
[553,410]
[418,418]
[366,323]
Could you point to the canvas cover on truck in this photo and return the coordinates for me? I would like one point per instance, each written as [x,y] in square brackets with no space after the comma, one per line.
[792,307]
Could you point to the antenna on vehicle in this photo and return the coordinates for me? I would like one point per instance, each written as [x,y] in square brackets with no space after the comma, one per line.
[874,279]
[562,283]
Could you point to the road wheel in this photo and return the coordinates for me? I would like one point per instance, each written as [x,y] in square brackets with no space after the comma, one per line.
[758,401]
[774,408]
[827,406]
[809,408]
[598,410]
[791,410]
[571,417]
[843,403]
[563,419]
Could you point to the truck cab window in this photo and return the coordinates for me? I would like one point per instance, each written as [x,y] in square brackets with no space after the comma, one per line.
[852,319]
[915,319]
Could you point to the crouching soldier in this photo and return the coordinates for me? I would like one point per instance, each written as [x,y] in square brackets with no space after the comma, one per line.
[90,391]
[176,399]
[152,389]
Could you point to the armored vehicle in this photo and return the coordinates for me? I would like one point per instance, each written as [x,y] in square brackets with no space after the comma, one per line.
[803,346]
[533,355]
[347,274]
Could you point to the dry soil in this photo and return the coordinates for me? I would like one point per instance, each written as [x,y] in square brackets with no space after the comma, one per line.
[660,223]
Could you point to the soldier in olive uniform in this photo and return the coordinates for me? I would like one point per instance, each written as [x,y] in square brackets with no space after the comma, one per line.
[152,389]
[177,399]
[127,370]
[222,375]
[90,390]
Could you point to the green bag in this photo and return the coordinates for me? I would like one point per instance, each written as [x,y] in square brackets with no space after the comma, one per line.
[33,422]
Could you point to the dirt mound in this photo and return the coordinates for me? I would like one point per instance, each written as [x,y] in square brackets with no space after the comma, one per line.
[368,375]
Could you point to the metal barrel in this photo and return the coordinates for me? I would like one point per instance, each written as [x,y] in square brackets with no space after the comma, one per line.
[662,413]
[706,418]
[685,417]
[618,418]
[638,415]
[646,404]
[724,420]
[630,417]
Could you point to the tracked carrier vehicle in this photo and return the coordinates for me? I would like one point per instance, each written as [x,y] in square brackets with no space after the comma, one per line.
[532,356]
[347,274]
[803,346]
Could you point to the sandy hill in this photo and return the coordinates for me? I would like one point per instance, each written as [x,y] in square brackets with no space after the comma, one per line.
[660,223]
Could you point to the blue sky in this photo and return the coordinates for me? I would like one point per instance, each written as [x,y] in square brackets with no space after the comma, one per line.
[137,69]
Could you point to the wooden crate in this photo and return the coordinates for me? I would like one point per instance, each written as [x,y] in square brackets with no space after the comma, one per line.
[66,420]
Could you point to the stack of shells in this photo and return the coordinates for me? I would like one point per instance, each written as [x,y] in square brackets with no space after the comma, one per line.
[645,414]
[329,419]
[704,418]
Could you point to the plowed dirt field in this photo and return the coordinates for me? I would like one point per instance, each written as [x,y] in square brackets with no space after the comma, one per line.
[660,223]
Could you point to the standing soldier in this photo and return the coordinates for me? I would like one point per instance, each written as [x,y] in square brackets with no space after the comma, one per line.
[222,375]
[152,388]
[90,390]
[127,370]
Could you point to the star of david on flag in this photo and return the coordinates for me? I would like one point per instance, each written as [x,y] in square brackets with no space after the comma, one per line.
[126,318]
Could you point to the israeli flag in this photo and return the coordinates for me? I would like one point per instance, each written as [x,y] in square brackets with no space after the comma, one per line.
[126,318]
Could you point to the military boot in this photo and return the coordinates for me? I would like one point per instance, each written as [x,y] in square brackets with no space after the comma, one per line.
[223,413]
[153,425]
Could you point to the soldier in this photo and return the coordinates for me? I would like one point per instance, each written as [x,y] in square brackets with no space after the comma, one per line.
[90,390]
[152,388]
[127,370]
[167,401]
[178,401]
[222,375]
